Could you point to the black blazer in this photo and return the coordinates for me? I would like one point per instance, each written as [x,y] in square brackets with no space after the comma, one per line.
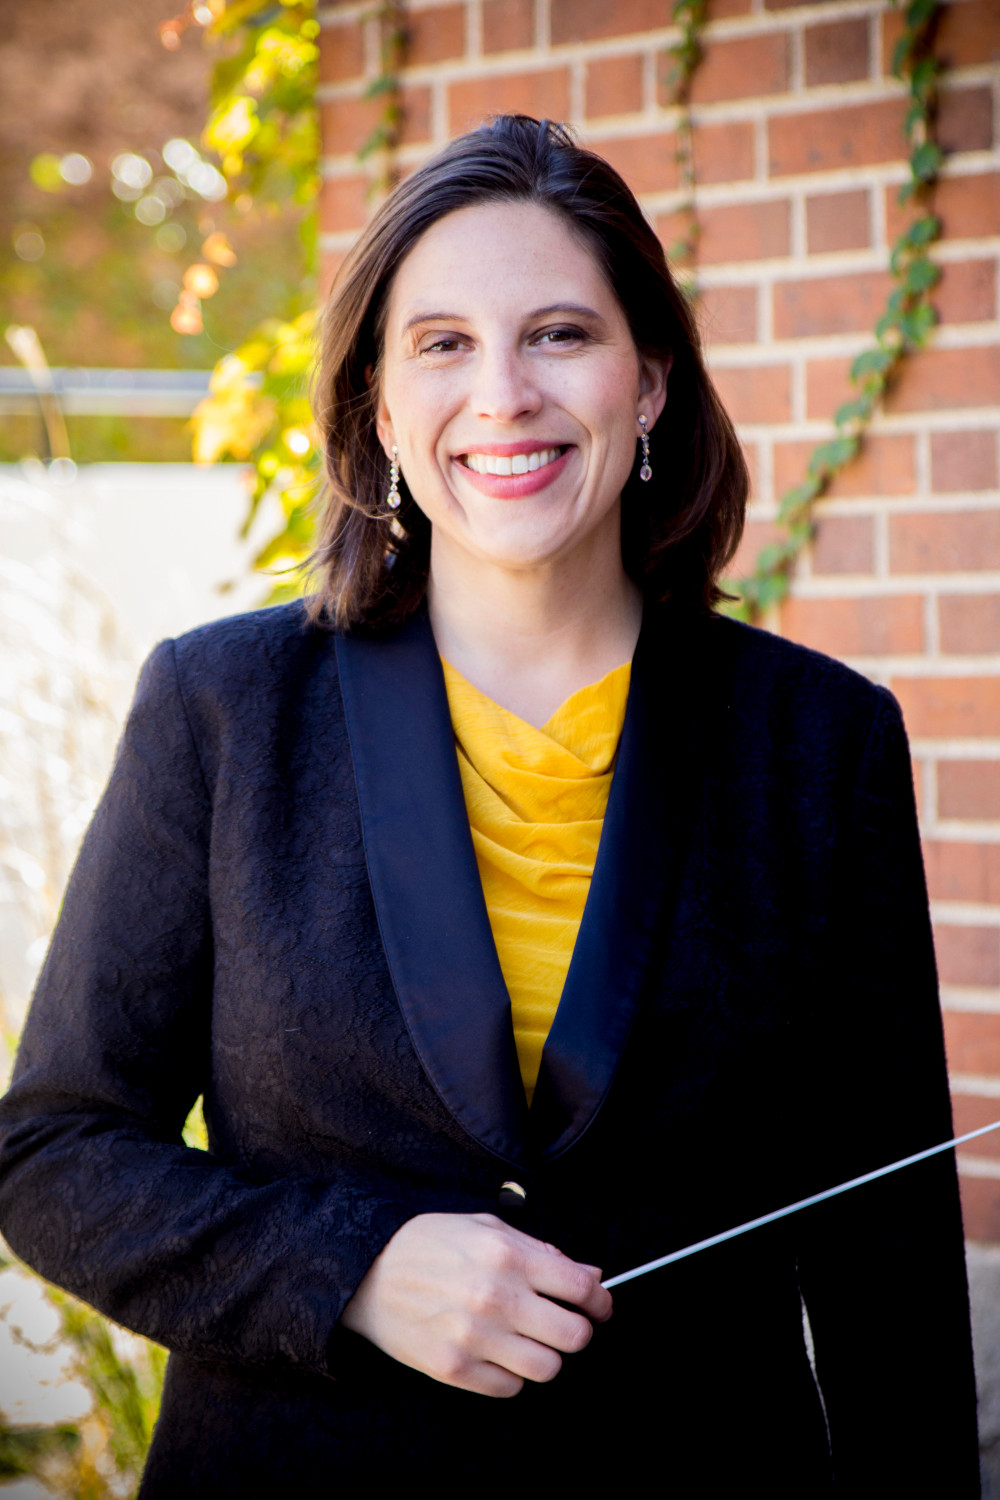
[278,906]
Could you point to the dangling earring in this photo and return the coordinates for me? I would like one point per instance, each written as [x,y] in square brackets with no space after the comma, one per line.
[394,498]
[645,472]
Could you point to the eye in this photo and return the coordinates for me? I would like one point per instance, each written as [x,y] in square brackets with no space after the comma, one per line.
[562,335]
[445,343]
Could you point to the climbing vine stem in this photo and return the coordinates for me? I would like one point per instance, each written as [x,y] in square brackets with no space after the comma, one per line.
[685,56]
[903,327]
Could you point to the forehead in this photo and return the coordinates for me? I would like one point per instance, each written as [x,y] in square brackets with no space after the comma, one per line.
[498,257]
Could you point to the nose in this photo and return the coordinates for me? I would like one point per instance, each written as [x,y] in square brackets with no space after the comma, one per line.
[505,388]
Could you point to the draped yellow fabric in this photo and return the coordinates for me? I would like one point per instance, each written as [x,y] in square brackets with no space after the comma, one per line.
[536,801]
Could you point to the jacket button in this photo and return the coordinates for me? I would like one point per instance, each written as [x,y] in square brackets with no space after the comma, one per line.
[512,1196]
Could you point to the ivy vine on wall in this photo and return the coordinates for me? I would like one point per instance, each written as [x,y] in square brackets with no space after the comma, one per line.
[903,327]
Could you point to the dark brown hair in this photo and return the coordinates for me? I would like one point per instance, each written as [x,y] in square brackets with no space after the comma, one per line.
[678,532]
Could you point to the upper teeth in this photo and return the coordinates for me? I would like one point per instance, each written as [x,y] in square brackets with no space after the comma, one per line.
[518,463]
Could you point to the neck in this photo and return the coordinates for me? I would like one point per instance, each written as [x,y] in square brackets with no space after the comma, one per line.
[530,637]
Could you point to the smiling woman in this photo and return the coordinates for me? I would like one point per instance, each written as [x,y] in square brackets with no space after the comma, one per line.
[520,919]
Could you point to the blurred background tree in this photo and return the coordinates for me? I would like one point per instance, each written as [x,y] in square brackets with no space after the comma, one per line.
[109,195]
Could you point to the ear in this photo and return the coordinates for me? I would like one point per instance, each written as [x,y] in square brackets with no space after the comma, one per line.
[383,426]
[653,387]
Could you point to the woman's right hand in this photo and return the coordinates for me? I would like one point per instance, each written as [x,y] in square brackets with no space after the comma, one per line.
[467,1300]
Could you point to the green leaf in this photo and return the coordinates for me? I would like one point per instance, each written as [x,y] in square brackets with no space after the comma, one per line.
[853,411]
[919,12]
[831,456]
[900,53]
[924,76]
[921,274]
[924,230]
[871,360]
[917,324]
[925,163]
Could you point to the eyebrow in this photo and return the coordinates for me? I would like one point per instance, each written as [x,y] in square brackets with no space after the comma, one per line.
[539,312]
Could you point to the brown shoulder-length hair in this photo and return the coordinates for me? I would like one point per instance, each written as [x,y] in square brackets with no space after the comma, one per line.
[678,532]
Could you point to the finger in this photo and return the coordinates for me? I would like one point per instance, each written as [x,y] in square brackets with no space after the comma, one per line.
[526,1358]
[567,1281]
[559,1328]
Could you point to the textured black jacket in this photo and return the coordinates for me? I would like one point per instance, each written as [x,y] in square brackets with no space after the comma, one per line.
[278,906]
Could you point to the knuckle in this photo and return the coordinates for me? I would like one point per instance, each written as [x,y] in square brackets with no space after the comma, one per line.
[451,1365]
[483,1298]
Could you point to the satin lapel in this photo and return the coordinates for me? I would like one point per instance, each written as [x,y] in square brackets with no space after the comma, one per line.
[643,838]
[425,881]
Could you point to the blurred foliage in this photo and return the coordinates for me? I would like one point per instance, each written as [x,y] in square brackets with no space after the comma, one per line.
[264,127]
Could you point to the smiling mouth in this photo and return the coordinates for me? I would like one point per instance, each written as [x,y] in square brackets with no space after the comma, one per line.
[517,463]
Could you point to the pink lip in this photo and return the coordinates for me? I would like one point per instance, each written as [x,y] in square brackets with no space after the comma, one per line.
[513,486]
[508,450]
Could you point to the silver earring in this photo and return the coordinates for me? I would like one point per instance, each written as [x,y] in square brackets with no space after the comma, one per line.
[394,499]
[645,472]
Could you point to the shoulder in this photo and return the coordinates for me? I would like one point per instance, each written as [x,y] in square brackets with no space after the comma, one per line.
[245,646]
[763,668]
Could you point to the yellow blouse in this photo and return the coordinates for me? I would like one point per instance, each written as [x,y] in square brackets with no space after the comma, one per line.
[536,801]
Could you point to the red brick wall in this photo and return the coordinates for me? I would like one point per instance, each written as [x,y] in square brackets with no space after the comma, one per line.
[799,153]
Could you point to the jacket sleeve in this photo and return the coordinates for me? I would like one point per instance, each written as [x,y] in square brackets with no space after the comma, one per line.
[97,1190]
[882,1269]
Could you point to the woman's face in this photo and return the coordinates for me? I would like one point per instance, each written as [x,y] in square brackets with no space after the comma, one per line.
[511,386]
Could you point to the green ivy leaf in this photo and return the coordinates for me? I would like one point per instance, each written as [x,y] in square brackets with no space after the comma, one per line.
[919,12]
[871,360]
[917,324]
[900,53]
[921,274]
[828,457]
[853,411]
[925,163]
[924,230]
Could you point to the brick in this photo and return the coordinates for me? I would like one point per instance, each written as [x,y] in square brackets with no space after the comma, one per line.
[434,36]
[836,53]
[890,29]
[728,314]
[838,221]
[416,125]
[763,394]
[719,9]
[968,207]
[614,85]
[823,140]
[969,789]
[980,1209]
[972,1112]
[673,230]
[329,269]
[884,466]
[844,544]
[967,291]
[341,52]
[646,162]
[890,626]
[830,304]
[343,204]
[963,461]
[968,34]
[970,623]
[588,20]
[950,707]
[508,25]
[346,123]
[544,93]
[827,386]
[747,68]
[972,1037]
[965,120]
[950,541]
[756,536]
[938,379]
[959,870]
[724,153]
[735,232]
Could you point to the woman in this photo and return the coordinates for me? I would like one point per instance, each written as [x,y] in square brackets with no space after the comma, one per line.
[280,905]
